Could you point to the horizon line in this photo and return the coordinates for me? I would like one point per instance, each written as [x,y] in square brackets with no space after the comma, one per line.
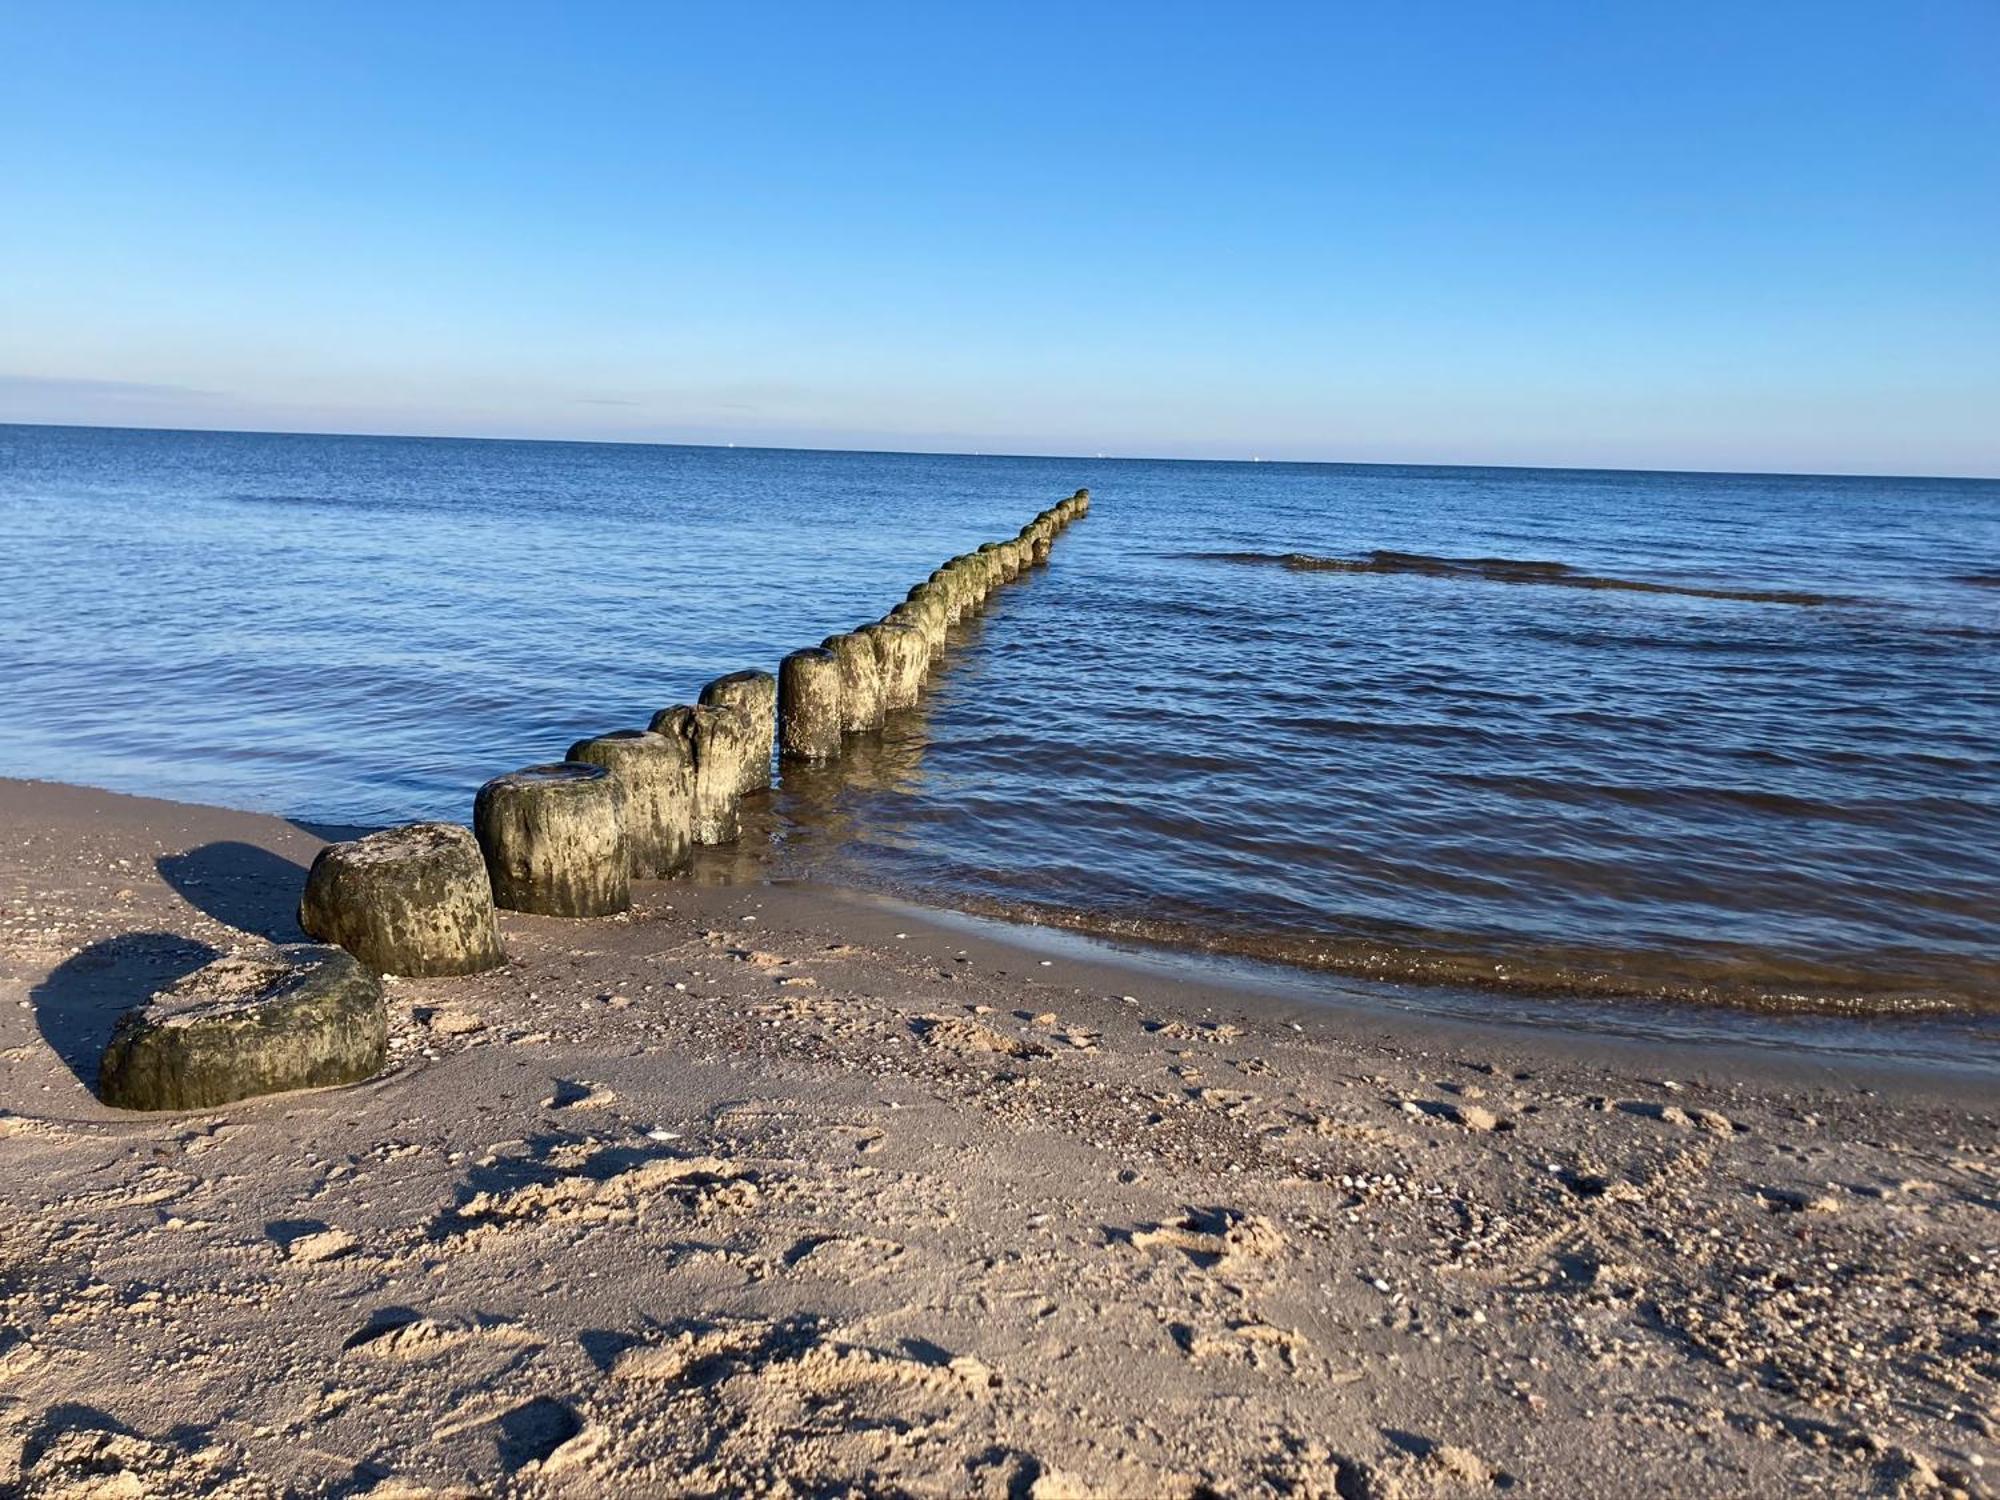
[440,437]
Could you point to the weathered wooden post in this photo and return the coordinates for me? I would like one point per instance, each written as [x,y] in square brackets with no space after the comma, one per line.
[972,582]
[654,778]
[720,741]
[955,579]
[809,707]
[1035,537]
[553,841]
[290,1018]
[860,682]
[413,900]
[904,659]
[755,696]
[927,611]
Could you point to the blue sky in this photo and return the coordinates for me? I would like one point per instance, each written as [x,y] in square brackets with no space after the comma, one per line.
[1681,235]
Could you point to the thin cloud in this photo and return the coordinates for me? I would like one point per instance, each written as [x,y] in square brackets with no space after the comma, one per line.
[117,390]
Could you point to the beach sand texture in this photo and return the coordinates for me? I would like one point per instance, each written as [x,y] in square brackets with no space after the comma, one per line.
[775,1190]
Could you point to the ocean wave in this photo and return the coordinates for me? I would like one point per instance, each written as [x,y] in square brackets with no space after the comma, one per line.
[1501,570]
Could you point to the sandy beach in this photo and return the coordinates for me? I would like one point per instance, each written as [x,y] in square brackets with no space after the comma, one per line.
[778,1190]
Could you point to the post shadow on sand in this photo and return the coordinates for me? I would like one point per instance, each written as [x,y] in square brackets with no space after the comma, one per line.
[240,885]
[83,997]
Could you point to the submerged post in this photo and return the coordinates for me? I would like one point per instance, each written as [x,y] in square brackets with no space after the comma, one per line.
[904,658]
[809,710]
[860,682]
[755,696]
[654,778]
[927,613]
[724,745]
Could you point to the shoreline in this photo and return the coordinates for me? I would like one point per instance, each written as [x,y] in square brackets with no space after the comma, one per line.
[768,1186]
[1864,1046]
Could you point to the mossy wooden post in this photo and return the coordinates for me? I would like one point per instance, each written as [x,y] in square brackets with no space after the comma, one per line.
[936,621]
[926,610]
[554,842]
[956,581]
[719,741]
[971,576]
[809,711]
[904,659]
[1081,499]
[413,900]
[653,775]
[932,603]
[979,580]
[755,696]
[860,682]
[291,1018]
[1035,536]
[992,557]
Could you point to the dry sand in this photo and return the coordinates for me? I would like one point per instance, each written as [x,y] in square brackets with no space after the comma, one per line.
[779,1191]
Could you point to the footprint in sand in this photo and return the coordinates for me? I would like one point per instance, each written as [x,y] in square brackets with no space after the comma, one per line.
[1263,1346]
[309,1242]
[845,1257]
[1216,1238]
[610,1185]
[797,1354]
[963,1038]
[399,1334]
[579,1094]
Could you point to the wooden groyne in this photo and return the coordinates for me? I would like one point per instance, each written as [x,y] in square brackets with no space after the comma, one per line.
[567,838]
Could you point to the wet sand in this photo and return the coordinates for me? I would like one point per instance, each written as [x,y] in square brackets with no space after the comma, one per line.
[772,1189]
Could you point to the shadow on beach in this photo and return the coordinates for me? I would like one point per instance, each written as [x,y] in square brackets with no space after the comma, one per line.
[82,999]
[240,885]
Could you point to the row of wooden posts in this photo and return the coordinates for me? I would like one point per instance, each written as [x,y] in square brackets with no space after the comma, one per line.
[567,839]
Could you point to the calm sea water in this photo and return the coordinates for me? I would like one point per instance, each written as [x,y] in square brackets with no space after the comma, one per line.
[1338,715]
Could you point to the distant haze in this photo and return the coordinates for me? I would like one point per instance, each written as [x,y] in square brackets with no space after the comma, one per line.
[1695,236]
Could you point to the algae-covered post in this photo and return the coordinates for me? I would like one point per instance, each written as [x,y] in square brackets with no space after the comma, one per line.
[926,617]
[554,841]
[720,741]
[755,696]
[860,682]
[904,658]
[970,579]
[292,1018]
[653,775]
[413,900]
[809,710]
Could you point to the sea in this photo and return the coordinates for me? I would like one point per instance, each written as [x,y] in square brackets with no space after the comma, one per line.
[1539,740]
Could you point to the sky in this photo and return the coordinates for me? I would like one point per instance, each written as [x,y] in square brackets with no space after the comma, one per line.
[1657,235]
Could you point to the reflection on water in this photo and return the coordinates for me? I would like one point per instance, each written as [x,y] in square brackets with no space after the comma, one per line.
[817,807]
